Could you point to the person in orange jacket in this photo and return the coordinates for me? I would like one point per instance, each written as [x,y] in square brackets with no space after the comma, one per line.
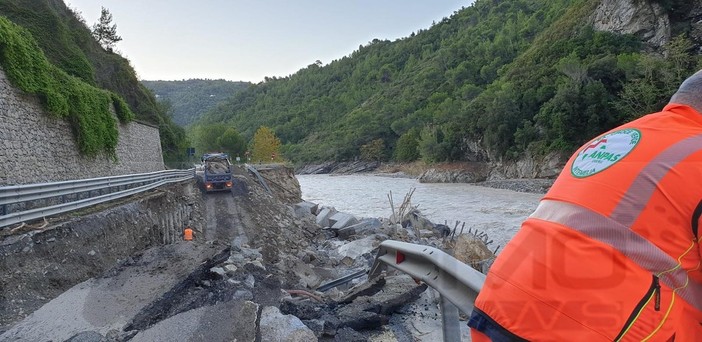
[612,252]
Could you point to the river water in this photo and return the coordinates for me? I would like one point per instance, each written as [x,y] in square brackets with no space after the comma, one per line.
[497,212]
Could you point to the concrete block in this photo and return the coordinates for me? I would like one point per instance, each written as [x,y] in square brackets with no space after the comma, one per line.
[355,249]
[342,220]
[426,233]
[305,208]
[230,269]
[219,271]
[367,225]
[324,215]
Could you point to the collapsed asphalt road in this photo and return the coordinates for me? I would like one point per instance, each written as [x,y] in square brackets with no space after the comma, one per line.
[250,275]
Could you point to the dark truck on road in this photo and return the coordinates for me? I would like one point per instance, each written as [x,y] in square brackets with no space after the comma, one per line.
[217,172]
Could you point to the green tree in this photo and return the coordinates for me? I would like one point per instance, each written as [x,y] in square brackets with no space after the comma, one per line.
[232,142]
[430,147]
[265,146]
[637,98]
[525,134]
[680,57]
[218,138]
[406,149]
[651,79]
[206,138]
[373,151]
[104,31]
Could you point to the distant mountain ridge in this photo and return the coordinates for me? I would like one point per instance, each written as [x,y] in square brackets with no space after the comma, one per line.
[495,82]
[189,99]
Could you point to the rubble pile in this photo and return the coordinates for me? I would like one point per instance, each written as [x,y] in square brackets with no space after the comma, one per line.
[319,244]
[322,244]
[341,245]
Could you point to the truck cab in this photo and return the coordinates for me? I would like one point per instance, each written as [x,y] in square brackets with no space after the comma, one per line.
[217,172]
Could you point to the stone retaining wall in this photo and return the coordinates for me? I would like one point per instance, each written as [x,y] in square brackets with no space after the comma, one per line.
[36,148]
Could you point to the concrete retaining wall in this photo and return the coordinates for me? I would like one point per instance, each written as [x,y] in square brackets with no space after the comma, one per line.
[36,148]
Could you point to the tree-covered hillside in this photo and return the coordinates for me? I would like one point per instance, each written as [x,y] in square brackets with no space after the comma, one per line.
[189,99]
[494,80]
[67,43]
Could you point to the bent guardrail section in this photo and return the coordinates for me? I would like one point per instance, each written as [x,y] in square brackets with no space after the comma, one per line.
[136,183]
[457,283]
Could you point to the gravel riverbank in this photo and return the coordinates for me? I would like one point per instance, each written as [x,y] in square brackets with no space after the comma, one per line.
[471,173]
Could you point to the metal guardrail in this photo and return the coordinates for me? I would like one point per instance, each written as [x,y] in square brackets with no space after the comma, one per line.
[258,175]
[343,280]
[457,283]
[137,183]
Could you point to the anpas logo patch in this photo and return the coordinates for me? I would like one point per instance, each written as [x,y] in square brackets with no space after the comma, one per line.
[604,152]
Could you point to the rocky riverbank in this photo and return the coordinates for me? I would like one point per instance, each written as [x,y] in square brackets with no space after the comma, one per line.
[481,174]
[338,168]
[537,186]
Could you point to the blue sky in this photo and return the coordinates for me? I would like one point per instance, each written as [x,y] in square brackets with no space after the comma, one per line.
[247,40]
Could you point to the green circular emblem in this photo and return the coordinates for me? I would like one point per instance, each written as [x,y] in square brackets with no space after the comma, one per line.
[605,151]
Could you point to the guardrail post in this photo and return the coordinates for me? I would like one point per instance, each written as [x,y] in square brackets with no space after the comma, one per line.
[449,316]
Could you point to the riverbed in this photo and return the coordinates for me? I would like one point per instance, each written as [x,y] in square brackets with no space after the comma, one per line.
[497,212]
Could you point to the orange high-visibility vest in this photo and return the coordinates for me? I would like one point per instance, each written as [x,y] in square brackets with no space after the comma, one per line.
[188,234]
[612,252]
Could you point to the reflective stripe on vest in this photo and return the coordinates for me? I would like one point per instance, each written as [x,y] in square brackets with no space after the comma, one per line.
[641,190]
[634,246]
[615,229]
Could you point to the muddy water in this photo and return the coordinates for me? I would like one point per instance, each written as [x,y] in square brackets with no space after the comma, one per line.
[497,212]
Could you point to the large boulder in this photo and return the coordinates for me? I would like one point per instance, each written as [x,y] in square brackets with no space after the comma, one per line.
[342,220]
[350,252]
[304,209]
[324,215]
[307,276]
[367,225]
[415,220]
[276,327]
